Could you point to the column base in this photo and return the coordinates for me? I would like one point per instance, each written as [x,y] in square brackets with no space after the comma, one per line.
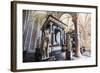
[78,55]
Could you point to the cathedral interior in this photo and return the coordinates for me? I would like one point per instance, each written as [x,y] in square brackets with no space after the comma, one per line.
[56,36]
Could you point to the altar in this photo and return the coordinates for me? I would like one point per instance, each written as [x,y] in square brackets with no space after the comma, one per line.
[54,37]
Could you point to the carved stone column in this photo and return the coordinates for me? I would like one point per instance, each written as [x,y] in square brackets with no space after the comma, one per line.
[77,38]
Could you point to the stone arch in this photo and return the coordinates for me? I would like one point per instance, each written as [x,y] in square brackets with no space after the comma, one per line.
[67,19]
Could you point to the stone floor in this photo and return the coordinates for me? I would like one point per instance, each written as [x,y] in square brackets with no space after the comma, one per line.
[56,55]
